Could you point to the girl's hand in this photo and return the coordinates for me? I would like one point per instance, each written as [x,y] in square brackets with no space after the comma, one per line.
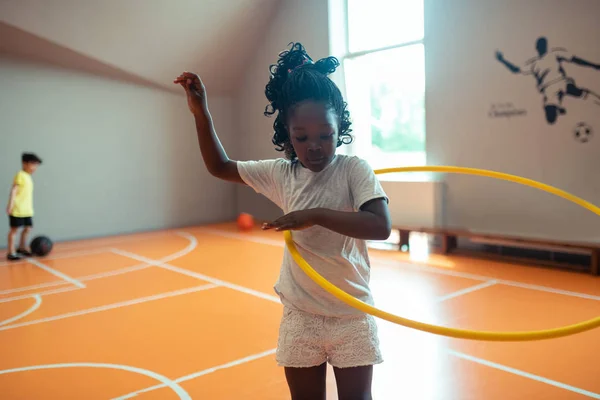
[195,90]
[296,220]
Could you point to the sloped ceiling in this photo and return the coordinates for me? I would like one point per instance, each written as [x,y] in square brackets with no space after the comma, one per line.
[144,41]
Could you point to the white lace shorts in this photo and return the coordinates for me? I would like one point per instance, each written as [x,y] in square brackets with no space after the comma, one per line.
[308,340]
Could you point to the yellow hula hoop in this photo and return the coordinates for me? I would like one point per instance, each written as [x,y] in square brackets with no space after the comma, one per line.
[441,330]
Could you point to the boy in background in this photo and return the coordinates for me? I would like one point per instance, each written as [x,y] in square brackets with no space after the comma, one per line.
[20,206]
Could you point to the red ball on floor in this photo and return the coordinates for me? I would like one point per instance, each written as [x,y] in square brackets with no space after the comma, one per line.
[245,222]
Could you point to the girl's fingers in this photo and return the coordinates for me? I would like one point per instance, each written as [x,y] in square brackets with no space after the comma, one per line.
[185,84]
[271,225]
[194,77]
[277,225]
[285,226]
[182,77]
[187,76]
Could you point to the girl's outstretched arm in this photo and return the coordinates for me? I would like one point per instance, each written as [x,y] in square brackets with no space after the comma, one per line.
[371,222]
[214,155]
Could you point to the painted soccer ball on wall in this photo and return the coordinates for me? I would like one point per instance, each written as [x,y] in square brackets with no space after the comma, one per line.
[583,132]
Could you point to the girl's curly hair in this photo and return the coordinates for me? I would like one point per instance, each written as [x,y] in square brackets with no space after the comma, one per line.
[296,78]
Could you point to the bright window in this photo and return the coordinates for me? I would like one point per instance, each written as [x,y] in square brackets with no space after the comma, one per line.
[375,24]
[385,81]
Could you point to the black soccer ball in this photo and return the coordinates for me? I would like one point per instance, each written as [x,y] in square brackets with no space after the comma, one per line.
[583,132]
[41,246]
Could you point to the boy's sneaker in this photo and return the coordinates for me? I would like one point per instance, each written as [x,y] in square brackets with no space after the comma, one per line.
[24,253]
[12,257]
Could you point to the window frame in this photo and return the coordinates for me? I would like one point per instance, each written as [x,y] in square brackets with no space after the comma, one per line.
[348,55]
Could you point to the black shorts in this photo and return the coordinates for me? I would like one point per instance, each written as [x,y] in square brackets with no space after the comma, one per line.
[17,222]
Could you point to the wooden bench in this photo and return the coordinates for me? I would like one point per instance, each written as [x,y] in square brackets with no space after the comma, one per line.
[449,243]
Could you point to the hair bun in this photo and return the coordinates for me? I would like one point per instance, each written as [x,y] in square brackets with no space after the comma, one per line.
[327,65]
[287,62]
[293,58]
[297,56]
[290,60]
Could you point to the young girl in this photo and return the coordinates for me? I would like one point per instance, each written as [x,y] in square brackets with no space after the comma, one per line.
[333,203]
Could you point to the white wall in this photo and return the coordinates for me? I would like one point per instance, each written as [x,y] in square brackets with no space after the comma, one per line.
[415,204]
[303,21]
[117,157]
[464,79]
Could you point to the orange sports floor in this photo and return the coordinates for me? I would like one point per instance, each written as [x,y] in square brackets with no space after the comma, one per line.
[192,314]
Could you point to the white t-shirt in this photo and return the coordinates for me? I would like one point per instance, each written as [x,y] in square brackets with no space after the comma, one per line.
[344,185]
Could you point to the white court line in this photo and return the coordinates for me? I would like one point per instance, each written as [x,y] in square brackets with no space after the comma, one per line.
[139,300]
[214,282]
[201,373]
[56,273]
[193,244]
[189,248]
[11,263]
[60,256]
[33,287]
[244,237]
[451,352]
[488,281]
[549,290]
[47,292]
[272,351]
[35,306]
[427,268]
[93,248]
[439,299]
[469,289]
[280,244]
[524,374]
[106,241]
[81,278]
[115,272]
[467,275]
[183,395]
[80,253]
[197,275]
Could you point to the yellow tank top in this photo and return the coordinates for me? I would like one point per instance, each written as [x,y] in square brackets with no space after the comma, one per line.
[23,201]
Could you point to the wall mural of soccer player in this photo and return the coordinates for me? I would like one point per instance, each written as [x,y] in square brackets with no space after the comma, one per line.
[552,80]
